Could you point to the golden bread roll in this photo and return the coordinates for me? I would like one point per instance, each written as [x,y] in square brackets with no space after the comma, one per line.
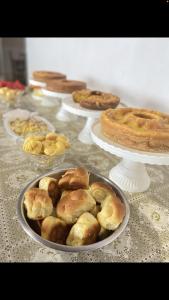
[84,232]
[54,230]
[66,192]
[95,210]
[73,204]
[100,191]
[38,204]
[74,179]
[51,186]
[112,213]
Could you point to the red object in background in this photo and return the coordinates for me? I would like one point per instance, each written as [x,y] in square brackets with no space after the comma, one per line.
[12,85]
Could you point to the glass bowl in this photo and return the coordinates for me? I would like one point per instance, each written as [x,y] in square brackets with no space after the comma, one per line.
[41,161]
[13,102]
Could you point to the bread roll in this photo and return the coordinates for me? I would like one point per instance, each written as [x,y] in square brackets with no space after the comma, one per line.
[38,204]
[112,213]
[100,191]
[54,230]
[95,210]
[73,204]
[84,232]
[51,186]
[74,179]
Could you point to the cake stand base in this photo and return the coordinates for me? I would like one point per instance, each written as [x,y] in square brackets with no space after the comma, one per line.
[85,134]
[63,115]
[91,115]
[47,103]
[130,176]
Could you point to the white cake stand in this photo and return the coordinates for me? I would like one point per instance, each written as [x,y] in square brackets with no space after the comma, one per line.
[37,83]
[62,114]
[44,101]
[130,174]
[91,115]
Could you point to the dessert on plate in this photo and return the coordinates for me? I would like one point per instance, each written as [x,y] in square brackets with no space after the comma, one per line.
[137,128]
[95,99]
[65,86]
[44,76]
[23,127]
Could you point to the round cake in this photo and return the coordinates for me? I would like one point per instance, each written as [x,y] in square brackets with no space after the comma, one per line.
[95,99]
[65,86]
[44,76]
[140,129]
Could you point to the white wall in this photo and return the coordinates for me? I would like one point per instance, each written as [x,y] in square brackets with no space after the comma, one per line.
[137,69]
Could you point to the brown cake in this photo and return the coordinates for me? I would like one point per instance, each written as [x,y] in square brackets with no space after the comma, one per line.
[95,99]
[141,129]
[44,76]
[65,86]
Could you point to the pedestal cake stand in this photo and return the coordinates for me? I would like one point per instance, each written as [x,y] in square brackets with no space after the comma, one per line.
[130,174]
[91,115]
[62,114]
[37,83]
[44,101]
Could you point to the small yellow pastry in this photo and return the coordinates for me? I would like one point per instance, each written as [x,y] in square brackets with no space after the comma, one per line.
[64,140]
[48,145]
[32,146]
[25,126]
[39,138]
[51,136]
[57,149]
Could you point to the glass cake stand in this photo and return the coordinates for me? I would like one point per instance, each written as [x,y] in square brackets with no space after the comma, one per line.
[130,174]
[91,115]
[37,83]
[44,100]
[62,114]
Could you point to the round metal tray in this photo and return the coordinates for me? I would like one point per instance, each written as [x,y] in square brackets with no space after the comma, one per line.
[26,223]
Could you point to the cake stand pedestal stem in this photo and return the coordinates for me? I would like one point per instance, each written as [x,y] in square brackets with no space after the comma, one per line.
[130,176]
[85,134]
[63,115]
[47,103]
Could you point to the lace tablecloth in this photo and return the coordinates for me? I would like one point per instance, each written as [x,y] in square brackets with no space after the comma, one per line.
[146,237]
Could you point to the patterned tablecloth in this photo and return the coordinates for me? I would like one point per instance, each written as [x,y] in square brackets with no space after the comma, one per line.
[146,237]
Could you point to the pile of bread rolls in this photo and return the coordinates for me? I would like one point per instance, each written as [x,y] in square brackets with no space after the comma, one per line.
[71,211]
